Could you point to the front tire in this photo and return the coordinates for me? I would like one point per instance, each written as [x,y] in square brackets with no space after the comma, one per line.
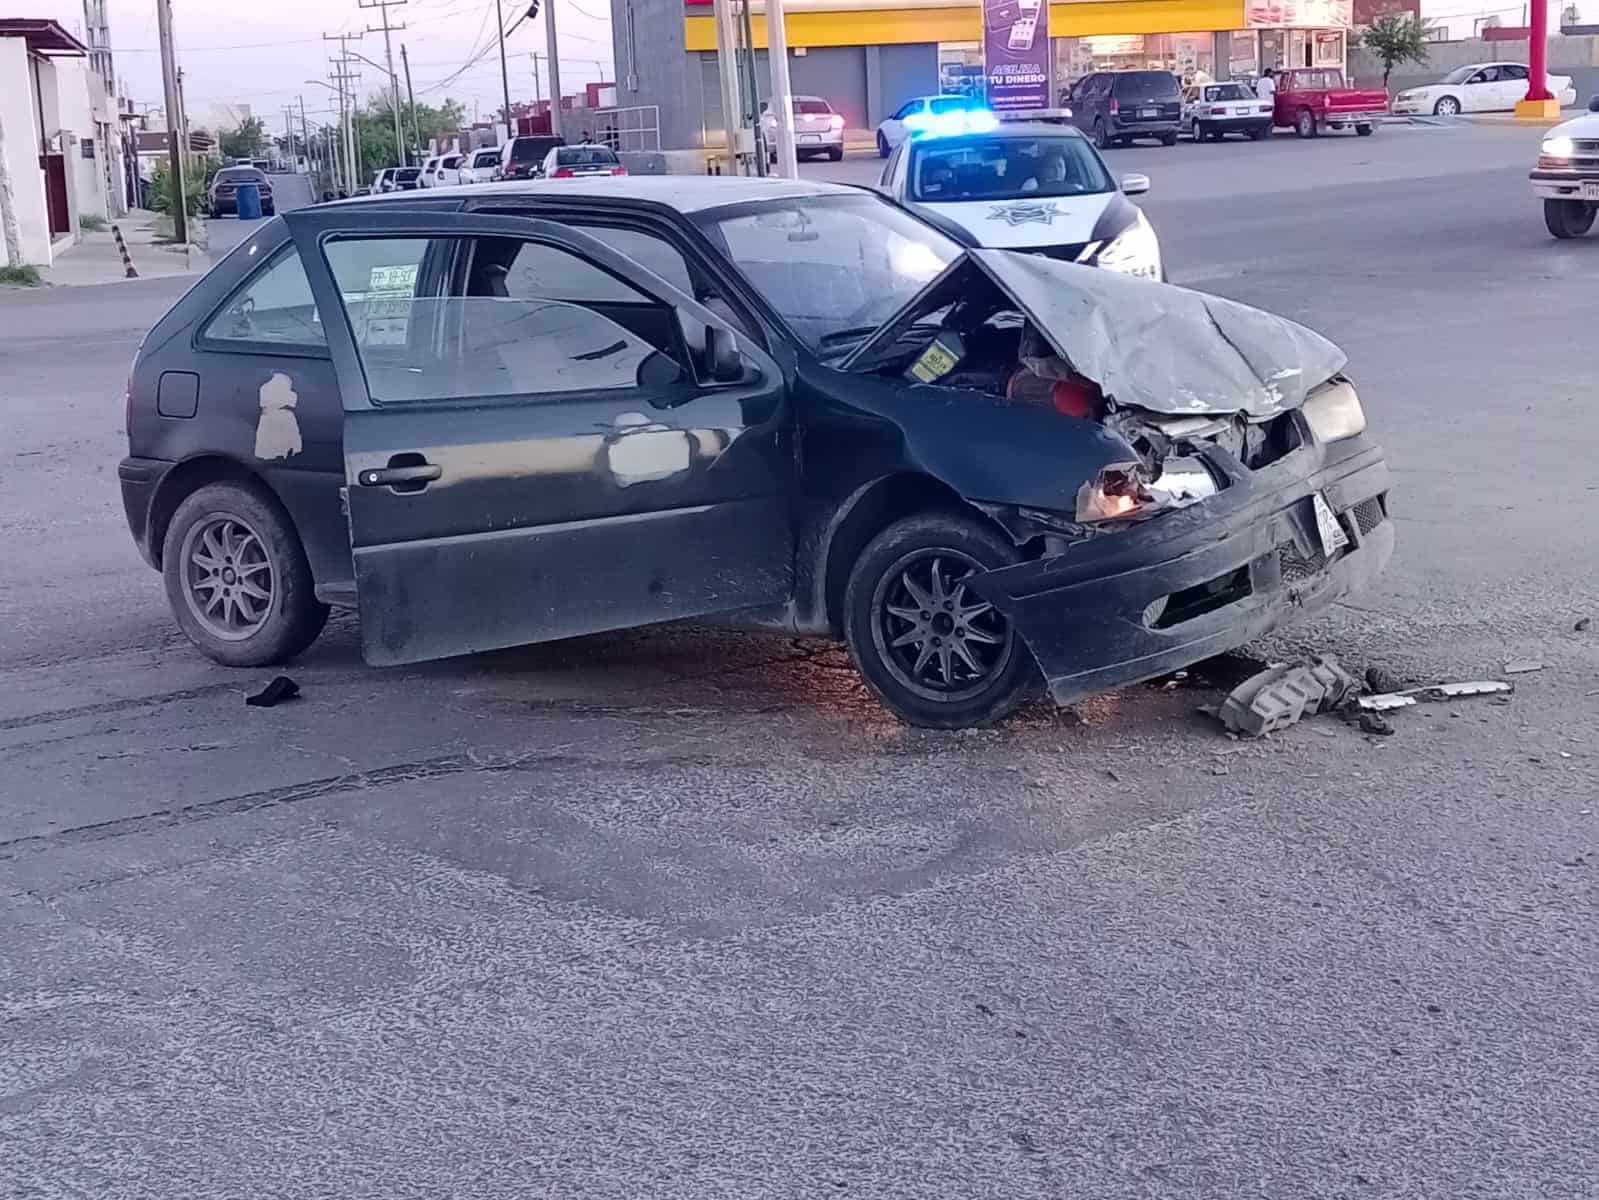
[237,577]
[1305,124]
[1568,218]
[1101,135]
[1447,106]
[835,154]
[883,148]
[929,648]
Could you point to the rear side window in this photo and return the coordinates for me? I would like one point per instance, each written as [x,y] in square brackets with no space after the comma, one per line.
[1146,85]
[275,306]
[525,319]
[532,149]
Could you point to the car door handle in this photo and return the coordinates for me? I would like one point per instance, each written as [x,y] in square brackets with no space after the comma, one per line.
[422,473]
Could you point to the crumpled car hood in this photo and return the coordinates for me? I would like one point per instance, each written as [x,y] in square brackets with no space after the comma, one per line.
[1165,348]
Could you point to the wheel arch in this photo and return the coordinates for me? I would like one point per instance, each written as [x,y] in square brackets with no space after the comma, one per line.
[188,477]
[861,516]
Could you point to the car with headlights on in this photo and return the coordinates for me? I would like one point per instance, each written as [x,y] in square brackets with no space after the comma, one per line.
[1479,87]
[1028,186]
[486,417]
[1566,177]
[817,128]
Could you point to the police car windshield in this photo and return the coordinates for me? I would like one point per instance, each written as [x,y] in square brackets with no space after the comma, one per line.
[1005,168]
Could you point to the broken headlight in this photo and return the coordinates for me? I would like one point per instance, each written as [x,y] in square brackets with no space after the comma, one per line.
[1125,491]
[1133,251]
[1334,413]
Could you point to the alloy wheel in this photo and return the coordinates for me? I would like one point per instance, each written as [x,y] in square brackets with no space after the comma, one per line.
[936,637]
[228,579]
[1448,107]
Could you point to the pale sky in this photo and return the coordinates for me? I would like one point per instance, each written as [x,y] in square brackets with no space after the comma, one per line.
[257,52]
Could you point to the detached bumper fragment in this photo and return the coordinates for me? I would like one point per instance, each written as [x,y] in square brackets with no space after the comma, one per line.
[1190,584]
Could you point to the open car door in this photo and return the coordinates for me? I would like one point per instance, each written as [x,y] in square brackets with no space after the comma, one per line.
[541,437]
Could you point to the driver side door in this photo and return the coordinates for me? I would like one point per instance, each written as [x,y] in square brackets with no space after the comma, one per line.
[538,442]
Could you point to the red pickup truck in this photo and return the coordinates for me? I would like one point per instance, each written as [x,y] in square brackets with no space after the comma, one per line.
[1310,99]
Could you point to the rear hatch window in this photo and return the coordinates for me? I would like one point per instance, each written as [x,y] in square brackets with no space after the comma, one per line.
[407,174]
[532,149]
[1146,85]
[587,156]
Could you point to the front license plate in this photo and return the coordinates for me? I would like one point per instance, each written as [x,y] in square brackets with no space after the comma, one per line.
[1590,191]
[1149,112]
[1332,535]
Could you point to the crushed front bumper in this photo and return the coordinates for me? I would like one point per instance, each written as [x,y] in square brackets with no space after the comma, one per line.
[1134,604]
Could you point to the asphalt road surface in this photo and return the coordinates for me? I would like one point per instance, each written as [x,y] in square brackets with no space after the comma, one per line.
[682,914]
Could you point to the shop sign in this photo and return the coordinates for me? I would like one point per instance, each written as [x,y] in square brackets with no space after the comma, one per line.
[1299,14]
[1016,53]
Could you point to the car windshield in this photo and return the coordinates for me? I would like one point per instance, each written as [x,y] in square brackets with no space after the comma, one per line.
[833,267]
[586,156]
[948,104]
[1229,91]
[1146,85]
[1460,74]
[1010,168]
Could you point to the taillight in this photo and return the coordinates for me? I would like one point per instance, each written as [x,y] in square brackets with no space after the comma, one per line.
[618,170]
[561,173]
[835,122]
[1115,106]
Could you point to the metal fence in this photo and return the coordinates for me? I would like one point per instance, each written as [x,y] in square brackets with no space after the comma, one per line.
[636,128]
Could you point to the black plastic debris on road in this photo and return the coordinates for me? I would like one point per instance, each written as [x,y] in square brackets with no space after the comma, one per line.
[275,693]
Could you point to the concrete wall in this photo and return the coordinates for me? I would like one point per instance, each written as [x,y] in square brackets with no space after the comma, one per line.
[22,151]
[77,115]
[903,72]
[653,66]
[1574,56]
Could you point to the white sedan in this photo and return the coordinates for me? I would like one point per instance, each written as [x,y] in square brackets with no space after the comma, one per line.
[1026,186]
[479,165]
[817,128]
[1480,87]
[924,114]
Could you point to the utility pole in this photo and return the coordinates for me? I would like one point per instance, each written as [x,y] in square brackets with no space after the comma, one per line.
[782,91]
[347,105]
[305,139]
[383,7]
[555,68]
[505,71]
[169,82]
[416,130]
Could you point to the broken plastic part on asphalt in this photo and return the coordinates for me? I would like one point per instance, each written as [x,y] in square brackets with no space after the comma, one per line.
[1384,701]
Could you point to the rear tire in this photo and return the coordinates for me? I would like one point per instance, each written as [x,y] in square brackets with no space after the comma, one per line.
[237,577]
[1305,124]
[835,154]
[1101,134]
[1568,218]
[1365,130]
[1169,139]
[1196,130]
[958,663]
[1260,134]
[883,148]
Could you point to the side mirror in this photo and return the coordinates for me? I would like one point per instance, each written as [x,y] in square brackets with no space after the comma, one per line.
[1135,185]
[1593,104]
[722,356]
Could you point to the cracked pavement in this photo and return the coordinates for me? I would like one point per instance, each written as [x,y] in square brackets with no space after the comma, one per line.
[680,912]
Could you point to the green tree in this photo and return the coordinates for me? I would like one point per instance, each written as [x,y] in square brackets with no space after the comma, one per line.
[374,127]
[249,140]
[1395,38]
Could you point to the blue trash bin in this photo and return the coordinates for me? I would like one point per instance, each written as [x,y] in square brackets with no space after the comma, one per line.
[248,198]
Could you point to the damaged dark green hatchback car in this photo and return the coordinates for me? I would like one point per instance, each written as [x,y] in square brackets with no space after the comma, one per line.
[495,416]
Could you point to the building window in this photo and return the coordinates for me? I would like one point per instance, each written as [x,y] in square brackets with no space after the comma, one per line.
[1189,56]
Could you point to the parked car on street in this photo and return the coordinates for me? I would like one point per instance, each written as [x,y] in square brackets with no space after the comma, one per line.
[446,171]
[1566,178]
[489,420]
[1480,87]
[223,198]
[1213,110]
[523,157]
[430,171]
[479,166]
[817,128]
[580,162]
[1117,107]
[406,179]
[924,114]
[1024,186]
[1311,100]
[383,181]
